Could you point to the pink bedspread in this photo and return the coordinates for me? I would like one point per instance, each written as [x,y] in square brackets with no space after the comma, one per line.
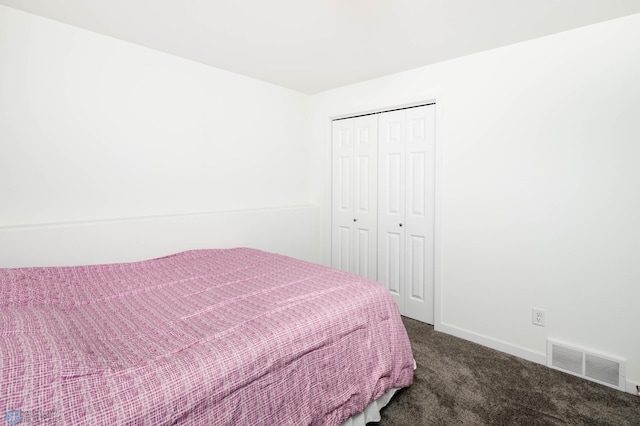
[205,337]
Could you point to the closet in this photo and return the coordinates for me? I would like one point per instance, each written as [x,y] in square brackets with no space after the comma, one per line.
[354,195]
[383,194]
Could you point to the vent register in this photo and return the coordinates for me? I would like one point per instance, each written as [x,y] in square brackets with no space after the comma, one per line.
[604,369]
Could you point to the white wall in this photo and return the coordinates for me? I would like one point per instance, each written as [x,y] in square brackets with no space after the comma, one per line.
[540,187]
[128,240]
[96,128]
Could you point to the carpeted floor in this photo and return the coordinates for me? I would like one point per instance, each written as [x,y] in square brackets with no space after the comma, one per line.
[461,383]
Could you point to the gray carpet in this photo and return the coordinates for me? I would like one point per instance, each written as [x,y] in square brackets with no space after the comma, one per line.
[461,383]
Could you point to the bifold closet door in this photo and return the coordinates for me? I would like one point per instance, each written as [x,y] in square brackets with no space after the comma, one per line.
[406,185]
[354,195]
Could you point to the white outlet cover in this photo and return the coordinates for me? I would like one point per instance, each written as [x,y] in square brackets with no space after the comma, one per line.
[538,317]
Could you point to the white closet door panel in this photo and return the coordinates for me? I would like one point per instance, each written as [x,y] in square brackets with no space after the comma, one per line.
[354,195]
[362,250]
[415,267]
[406,166]
[391,187]
[365,252]
[362,171]
[365,210]
[394,183]
[343,168]
[390,265]
[365,155]
[342,252]
[419,213]
[342,194]
[416,164]
[420,166]
[391,182]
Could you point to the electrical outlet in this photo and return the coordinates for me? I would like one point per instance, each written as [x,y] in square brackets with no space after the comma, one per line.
[538,317]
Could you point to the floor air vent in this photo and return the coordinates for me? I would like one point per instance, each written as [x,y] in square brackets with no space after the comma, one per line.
[604,369]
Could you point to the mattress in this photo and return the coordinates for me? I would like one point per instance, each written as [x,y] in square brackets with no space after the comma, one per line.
[203,337]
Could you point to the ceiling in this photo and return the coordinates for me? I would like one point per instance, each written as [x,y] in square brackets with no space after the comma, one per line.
[315,45]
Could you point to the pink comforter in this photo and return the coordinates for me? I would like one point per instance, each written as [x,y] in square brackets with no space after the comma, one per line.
[236,336]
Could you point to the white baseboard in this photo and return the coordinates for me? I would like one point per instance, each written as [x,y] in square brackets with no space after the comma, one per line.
[499,345]
[632,387]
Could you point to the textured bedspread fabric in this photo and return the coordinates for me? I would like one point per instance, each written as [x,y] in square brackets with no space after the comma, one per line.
[204,337]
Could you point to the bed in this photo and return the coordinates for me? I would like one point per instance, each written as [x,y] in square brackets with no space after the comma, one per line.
[202,337]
